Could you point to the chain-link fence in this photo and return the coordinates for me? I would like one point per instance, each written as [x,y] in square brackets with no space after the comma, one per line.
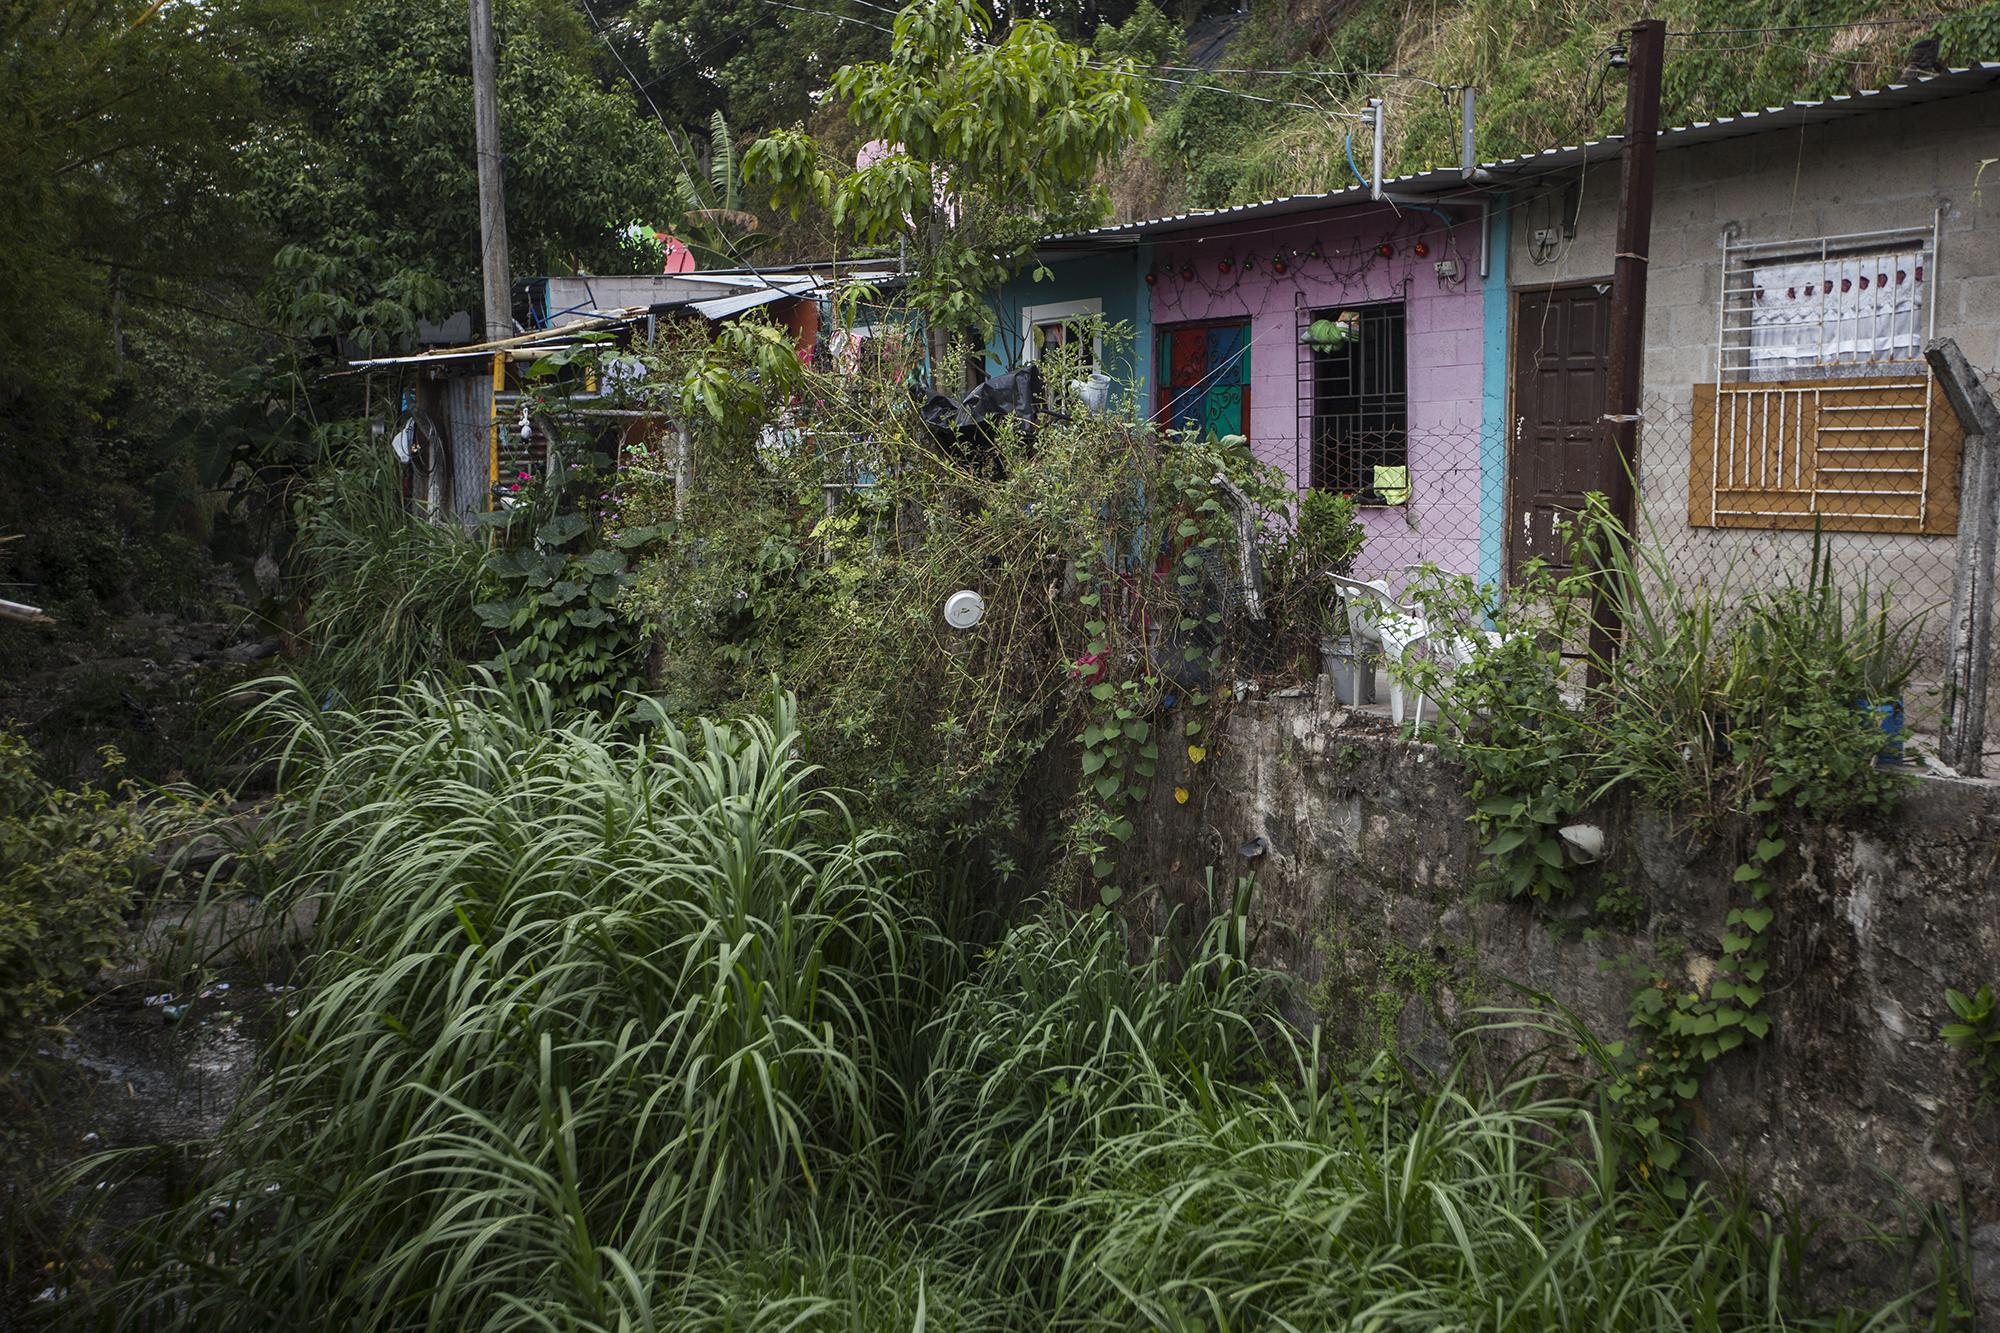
[1744,488]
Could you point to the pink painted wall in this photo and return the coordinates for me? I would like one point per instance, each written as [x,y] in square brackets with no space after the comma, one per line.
[1445,350]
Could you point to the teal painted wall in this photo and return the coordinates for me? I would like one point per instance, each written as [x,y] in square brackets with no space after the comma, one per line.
[1493,423]
[1118,279]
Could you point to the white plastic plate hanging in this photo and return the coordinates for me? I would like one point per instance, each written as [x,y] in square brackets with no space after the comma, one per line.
[964,609]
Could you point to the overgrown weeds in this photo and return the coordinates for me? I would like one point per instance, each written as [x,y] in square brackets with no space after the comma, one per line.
[389,590]
[823,546]
[70,863]
[622,1025]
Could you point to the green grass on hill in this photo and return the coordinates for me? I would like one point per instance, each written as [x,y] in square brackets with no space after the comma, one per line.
[1538,65]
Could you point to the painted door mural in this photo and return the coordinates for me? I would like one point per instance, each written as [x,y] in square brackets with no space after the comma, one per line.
[1560,450]
[1203,374]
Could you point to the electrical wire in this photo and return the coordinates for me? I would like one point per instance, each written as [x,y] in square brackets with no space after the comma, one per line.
[1313,73]
[1809,53]
[829,14]
[1153,78]
[1228,92]
[738,30]
[1213,69]
[673,141]
[1915,20]
[1352,165]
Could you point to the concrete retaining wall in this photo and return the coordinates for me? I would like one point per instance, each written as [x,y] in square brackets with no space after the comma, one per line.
[1365,897]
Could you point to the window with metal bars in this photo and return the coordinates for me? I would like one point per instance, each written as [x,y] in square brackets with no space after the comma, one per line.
[1830,307]
[1357,406]
[1824,414]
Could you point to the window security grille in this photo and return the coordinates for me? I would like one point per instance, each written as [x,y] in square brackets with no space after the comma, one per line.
[1824,414]
[1858,304]
[1354,405]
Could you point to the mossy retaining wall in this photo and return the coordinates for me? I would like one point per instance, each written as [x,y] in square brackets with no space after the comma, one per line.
[1365,861]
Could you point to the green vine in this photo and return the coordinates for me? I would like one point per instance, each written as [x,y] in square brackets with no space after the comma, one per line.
[1682,1032]
[1121,738]
[559,612]
[1703,714]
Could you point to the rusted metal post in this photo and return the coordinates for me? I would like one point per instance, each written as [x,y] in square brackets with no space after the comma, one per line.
[1964,741]
[1625,362]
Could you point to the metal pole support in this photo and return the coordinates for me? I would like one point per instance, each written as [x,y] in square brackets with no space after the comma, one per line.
[1964,741]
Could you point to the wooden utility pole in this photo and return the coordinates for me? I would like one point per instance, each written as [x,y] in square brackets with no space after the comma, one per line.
[1624,371]
[499,299]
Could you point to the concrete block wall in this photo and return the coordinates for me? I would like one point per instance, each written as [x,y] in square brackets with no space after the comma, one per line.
[1446,345]
[1870,172]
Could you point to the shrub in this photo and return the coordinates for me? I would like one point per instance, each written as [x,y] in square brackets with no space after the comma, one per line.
[560,618]
[823,549]
[1326,539]
[67,868]
[1709,710]
[1976,1036]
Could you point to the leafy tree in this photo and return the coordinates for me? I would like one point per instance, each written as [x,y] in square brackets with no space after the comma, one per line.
[366,168]
[713,221]
[1147,36]
[989,146]
[117,130]
[759,63]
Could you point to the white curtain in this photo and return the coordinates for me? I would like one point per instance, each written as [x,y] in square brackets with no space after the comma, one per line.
[1844,311]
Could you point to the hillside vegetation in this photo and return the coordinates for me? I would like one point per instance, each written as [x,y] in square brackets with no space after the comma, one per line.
[1539,66]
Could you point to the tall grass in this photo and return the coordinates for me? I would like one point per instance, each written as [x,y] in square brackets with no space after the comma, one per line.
[1713,703]
[619,1026]
[389,591]
[587,1007]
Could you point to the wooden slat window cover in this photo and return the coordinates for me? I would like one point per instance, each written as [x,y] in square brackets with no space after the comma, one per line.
[1856,455]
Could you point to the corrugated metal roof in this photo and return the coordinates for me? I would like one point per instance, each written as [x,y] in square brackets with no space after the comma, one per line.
[1952,83]
[722,307]
[738,296]
[1429,183]
[532,340]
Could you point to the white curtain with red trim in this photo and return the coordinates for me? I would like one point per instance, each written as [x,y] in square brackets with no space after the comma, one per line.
[1840,311]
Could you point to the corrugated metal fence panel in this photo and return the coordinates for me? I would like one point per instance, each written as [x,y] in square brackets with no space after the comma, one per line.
[468,405]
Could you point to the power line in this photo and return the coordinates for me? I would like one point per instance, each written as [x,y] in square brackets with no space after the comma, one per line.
[1832,57]
[738,31]
[1814,27]
[673,142]
[1230,92]
[1156,78]
[1309,73]
[829,14]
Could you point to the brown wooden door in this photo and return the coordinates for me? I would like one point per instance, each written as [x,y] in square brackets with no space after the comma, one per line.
[1560,449]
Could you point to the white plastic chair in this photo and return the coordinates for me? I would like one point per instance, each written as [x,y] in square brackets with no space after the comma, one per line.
[1374,615]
